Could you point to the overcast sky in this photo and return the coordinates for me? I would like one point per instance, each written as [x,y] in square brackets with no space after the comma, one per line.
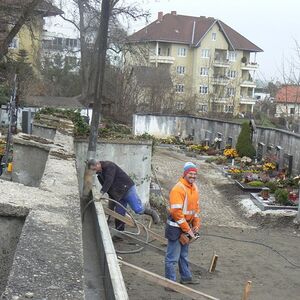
[273,25]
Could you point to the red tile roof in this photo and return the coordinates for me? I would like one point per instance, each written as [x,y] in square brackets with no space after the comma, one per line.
[189,30]
[288,94]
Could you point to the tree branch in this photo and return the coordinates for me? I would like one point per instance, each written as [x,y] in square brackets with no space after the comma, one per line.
[27,12]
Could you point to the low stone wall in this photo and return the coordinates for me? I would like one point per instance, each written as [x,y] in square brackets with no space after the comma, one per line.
[280,142]
[132,156]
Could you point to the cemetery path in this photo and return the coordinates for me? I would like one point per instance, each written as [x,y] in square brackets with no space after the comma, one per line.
[218,196]
[237,241]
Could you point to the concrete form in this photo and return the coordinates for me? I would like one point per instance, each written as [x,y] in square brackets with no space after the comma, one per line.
[132,156]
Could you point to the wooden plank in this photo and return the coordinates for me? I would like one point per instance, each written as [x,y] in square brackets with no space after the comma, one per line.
[247,289]
[213,263]
[154,248]
[155,278]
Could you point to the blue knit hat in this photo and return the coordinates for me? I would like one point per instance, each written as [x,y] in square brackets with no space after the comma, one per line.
[188,167]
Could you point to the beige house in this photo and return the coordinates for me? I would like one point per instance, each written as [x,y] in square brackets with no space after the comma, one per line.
[208,60]
[288,101]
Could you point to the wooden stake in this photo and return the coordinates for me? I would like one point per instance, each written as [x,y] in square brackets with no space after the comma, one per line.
[247,289]
[155,278]
[213,263]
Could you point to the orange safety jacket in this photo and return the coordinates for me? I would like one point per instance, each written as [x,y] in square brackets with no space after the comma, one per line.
[184,205]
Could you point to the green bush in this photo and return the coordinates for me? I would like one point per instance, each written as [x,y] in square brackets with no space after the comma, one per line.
[272,185]
[244,146]
[256,183]
[282,196]
[210,160]
[81,128]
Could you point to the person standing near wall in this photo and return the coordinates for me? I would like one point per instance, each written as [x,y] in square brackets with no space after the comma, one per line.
[120,187]
[182,225]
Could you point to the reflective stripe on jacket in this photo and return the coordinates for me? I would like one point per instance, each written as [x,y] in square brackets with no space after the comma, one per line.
[184,205]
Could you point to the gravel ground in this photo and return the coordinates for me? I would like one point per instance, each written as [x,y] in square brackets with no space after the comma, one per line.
[223,232]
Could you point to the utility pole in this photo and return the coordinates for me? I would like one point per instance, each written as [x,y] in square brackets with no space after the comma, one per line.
[101,47]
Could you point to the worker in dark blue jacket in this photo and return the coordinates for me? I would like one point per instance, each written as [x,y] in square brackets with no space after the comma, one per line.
[120,187]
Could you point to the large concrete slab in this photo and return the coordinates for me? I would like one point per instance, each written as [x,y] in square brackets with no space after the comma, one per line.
[48,262]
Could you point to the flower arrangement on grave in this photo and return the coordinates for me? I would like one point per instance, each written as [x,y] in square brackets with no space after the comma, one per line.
[269,166]
[245,160]
[2,147]
[234,170]
[230,153]
[198,148]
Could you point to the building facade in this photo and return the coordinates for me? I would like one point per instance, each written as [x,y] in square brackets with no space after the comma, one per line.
[59,44]
[288,101]
[208,60]
[27,42]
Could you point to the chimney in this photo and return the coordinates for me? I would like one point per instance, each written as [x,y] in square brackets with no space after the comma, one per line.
[160,16]
[173,12]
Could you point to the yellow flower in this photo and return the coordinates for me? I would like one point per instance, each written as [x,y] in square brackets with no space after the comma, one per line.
[230,153]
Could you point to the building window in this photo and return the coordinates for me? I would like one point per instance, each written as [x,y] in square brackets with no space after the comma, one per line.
[182,52]
[232,56]
[159,51]
[213,36]
[228,108]
[205,53]
[231,74]
[292,110]
[72,43]
[14,43]
[179,106]
[180,70]
[203,71]
[179,88]
[230,92]
[203,108]
[203,89]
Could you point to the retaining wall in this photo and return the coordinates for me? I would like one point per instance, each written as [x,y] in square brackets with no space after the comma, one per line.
[203,128]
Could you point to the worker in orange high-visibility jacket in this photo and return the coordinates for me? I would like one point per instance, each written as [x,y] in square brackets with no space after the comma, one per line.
[183,218]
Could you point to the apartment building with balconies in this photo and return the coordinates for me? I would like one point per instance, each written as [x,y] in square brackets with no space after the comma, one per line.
[208,60]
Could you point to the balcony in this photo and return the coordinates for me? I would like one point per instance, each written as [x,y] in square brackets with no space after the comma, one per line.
[250,66]
[221,100]
[247,100]
[248,84]
[221,63]
[220,80]
[161,59]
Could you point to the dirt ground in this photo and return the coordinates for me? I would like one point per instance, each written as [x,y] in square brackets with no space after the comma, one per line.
[223,232]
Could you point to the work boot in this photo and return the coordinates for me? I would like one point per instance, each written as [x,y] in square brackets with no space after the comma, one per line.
[154,215]
[190,281]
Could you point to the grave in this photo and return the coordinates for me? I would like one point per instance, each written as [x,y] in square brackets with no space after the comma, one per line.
[287,164]
[260,151]
[230,141]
